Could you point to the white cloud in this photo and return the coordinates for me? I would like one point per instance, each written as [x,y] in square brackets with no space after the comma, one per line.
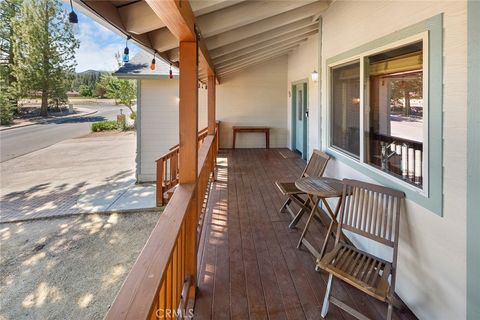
[98,46]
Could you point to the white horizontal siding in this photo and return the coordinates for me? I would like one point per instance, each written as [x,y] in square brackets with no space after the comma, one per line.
[432,249]
[159,122]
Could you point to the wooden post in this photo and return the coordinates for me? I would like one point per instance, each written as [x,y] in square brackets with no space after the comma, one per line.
[188,112]
[211,104]
[188,156]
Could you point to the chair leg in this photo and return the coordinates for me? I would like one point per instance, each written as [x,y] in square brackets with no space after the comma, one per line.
[299,215]
[312,213]
[326,299]
[389,311]
[282,209]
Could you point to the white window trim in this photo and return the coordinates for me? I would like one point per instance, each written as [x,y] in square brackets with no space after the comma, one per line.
[424,37]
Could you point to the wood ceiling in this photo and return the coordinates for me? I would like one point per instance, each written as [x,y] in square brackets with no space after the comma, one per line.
[237,33]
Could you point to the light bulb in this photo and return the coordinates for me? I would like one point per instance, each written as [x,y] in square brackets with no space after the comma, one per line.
[126,57]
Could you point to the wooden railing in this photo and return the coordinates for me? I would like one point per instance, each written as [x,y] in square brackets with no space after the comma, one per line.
[168,170]
[162,282]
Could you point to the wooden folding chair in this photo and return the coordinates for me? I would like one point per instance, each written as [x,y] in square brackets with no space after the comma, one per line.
[315,168]
[373,212]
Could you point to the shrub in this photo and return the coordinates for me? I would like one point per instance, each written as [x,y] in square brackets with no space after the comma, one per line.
[104,125]
[85,91]
[6,110]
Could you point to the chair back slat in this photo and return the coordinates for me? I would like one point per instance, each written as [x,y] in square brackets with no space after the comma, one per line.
[372,211]
[316,165]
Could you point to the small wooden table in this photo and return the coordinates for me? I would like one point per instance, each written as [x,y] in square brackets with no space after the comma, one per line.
[266,130]
[321,189]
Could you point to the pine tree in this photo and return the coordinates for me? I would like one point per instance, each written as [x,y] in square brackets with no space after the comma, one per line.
[44,51]
[9,10]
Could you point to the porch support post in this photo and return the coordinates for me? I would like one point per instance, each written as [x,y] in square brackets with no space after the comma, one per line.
[188,154]
[211,104]
[188,112]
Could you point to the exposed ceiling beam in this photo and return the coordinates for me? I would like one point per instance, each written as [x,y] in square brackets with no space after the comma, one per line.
[252,55]
[299,34]
[244,13]
[163,40]
[179,19]
[201,7]
[105,11]
[251,51]
[256,55]
[265,25]
[227,72]
[139,18]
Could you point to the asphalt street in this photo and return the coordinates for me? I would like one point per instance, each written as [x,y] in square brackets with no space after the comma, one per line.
[23,140]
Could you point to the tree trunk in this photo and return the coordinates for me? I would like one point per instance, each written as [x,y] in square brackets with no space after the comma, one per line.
[45,75]
[407,110]
[44,106]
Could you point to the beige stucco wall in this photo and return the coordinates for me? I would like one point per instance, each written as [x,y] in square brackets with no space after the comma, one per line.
[257,97]
[158,129]
[432,252]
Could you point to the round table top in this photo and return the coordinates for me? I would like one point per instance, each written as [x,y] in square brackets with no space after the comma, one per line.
[320,187]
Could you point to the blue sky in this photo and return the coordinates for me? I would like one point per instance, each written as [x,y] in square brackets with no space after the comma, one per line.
[98,45]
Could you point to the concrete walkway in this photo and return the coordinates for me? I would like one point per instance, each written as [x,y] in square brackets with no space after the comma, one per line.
[94,173]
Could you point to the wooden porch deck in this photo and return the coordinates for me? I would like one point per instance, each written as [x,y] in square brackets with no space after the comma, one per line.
[250,266]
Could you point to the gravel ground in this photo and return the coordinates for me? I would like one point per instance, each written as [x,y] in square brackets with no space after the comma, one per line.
[68,268]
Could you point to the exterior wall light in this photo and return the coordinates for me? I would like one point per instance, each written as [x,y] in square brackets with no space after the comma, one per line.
[314,76]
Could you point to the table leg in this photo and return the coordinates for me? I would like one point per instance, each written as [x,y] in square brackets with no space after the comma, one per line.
[315,204]
[267,139]
[234,136]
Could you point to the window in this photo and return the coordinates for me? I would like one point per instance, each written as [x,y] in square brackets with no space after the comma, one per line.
[300,105]
[395,117]
[384,126]
[345,128]
[409,59]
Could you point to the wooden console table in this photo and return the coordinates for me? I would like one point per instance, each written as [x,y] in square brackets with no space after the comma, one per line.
[266,130]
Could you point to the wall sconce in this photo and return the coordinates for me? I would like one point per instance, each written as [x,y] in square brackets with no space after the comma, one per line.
[314,76]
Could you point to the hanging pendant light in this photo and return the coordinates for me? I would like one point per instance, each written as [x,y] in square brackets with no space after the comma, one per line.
[170,73]
[72,16]
[126,51]
[152,65]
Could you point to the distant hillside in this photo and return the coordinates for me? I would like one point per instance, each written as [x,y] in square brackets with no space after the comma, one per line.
[89,78]
[92,71]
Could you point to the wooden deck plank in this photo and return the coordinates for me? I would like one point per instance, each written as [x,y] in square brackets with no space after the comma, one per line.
[256,300]
[250,266]
[258,220]
[238,294]
[219,226]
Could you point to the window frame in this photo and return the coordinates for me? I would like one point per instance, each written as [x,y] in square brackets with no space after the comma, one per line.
[364,106]
[430,195]
[330,107]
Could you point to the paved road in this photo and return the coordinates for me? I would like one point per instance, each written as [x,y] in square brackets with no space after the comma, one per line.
[23,140]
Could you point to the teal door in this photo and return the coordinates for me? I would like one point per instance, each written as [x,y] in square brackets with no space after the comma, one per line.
[300,119]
